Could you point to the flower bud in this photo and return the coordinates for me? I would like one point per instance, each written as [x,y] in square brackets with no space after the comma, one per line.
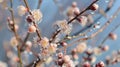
[60,62]
[16,27]
[83,20]
[64,44]
[89,51]
[100,64]
[74,4]
[32,29]
[60,55]
[29,44]
[113,36]
[29,19]
[76,11]
[86,64]
[105,48]
[94,7]
[9,21]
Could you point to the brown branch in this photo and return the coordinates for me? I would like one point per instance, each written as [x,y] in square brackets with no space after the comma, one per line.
[39,3]
[28,34]
[70,21]
[12,16]
[37,29]
[24,41]
[15,32]
[55,35]
[100,30]
[82,12]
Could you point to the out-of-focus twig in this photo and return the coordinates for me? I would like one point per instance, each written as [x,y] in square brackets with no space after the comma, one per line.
[104,40]
[24,41]
[39,3]
[96,33]
[113,29]
[15,32]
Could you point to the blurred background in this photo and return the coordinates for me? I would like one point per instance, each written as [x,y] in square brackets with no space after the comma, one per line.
[54,10]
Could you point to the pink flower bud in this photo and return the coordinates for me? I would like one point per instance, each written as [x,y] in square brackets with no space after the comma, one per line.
[83,20]
[100,64]
[86,64]
[105,48]
[60,62]
[16,27]
[89,51]
[16,59]
[74,4]
[29,19]
[76,11]
[113,36]
[60,55]
[64,44]
[32,29]
[94,7]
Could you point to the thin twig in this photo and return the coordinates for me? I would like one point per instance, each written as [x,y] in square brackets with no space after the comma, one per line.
[37,29]
[39,3]
[15,32]
[104,40]
[24,41]
[70,21]
[96,33]
[87,27]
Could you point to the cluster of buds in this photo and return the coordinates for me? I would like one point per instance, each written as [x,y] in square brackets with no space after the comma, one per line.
[113,59]
[12,26]
[36,14]
[64,60]
[90,54]
[49,48]
[35,17]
